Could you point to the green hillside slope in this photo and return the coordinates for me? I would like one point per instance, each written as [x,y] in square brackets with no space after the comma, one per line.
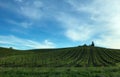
[84,56]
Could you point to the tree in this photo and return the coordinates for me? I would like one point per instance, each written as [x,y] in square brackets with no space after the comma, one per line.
[92,44]
[85,45]
[11,48]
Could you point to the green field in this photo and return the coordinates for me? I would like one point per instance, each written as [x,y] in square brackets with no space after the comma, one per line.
[82,61]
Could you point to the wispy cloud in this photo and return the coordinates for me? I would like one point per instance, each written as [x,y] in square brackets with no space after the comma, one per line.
[32,9]
[82,20]
[21,43]
[20,24]
[19,0]
[8,6]
[76,29]
[105,15]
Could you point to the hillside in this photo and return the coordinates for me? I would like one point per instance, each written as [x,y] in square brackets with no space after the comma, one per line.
[84,56]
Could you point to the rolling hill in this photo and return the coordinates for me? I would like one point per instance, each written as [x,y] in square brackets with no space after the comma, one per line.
[82,56]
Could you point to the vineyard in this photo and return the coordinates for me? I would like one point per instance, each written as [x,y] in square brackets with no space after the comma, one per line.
[82,61]
[84,56]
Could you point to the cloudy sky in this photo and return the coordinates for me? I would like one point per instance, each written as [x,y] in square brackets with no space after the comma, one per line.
[27,24]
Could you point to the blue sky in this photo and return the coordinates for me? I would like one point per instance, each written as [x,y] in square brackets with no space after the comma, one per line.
[30,24]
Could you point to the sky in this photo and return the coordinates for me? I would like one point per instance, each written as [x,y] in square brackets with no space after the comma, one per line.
[31,24]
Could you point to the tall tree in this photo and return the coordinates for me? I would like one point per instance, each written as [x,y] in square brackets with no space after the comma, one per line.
[92,44]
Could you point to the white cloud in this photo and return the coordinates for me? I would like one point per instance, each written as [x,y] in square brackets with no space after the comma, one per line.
[8,6]
[32,10]
[20,43]
[80,34]
[109,42]
[21,24]
[76,29]
[105,16]
[38,4]
[19,0]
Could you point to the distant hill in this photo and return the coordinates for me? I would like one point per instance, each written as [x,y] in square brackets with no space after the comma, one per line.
[82,56]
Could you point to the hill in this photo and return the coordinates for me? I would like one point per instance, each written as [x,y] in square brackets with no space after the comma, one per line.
[83,56]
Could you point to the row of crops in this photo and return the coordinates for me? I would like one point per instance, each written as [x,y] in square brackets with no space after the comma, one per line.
[67,57]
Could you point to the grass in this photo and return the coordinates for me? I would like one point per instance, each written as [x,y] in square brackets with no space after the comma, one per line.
[67,57]
[60,72]
[83,61]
